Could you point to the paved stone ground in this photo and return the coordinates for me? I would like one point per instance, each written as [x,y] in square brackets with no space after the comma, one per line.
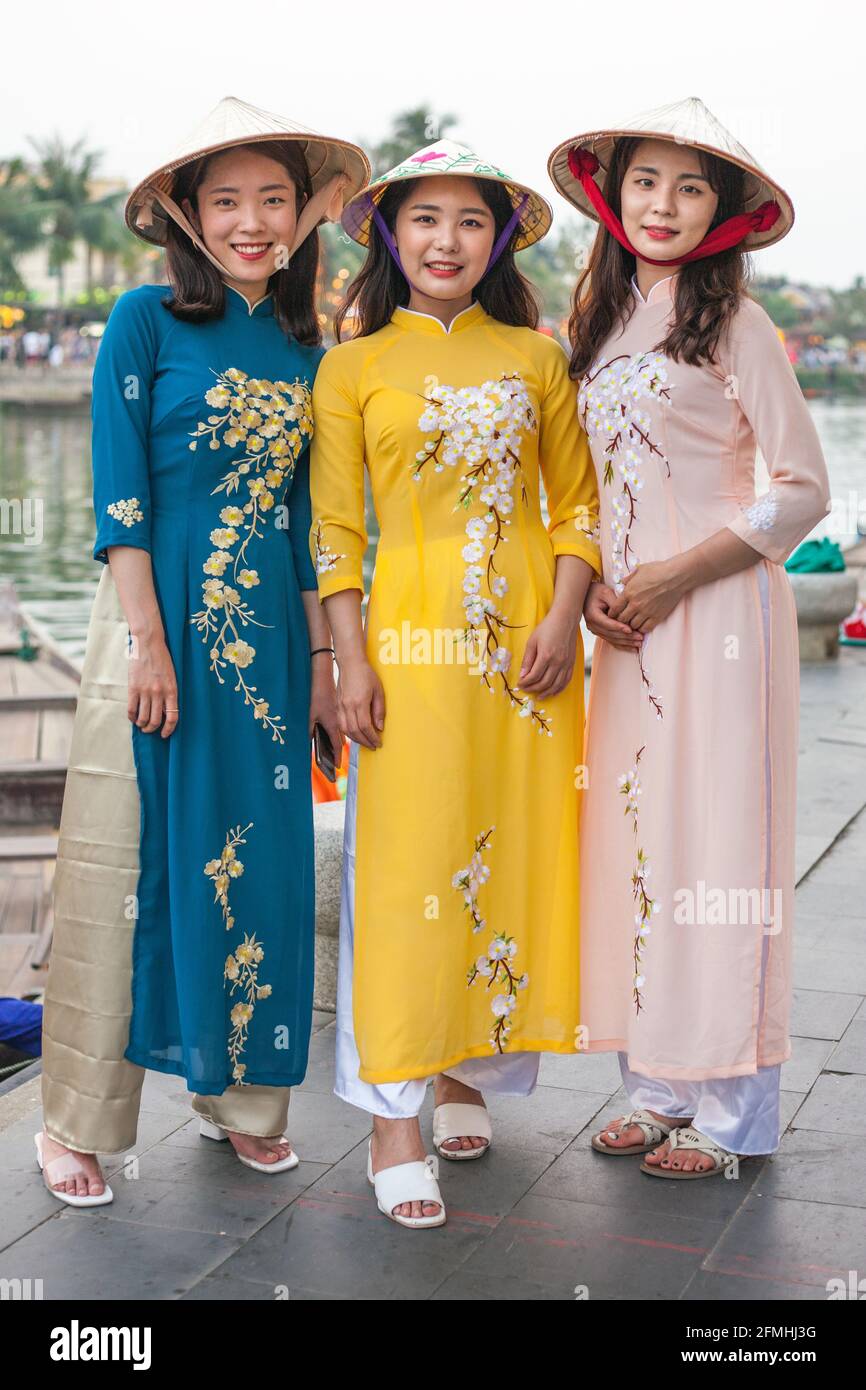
[542,1213]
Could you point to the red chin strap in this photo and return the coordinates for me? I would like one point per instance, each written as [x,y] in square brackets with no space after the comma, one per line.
[583,164]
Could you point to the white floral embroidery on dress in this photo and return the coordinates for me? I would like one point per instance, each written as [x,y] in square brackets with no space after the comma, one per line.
[479,426]
[127,510]
[326,558]
[647,907]
[762,514]
[494,965]
[608,402]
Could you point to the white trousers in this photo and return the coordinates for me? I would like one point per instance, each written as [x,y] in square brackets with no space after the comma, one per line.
[508,1074]
[739,1112]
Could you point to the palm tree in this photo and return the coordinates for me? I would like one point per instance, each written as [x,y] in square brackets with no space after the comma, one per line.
[20,222]
[61,184]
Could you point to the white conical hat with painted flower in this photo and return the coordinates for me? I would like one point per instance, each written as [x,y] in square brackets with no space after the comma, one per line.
[687,122]
[447,157]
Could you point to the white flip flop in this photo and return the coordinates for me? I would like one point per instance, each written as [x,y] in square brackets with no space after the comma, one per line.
[208,1130]
[61,1168]
[691,1138]
[406,1182]
[456,1119]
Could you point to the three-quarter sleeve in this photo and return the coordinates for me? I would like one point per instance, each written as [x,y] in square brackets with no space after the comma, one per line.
[120,413]
[566,465]
[299,523]
[338,531]
[765,385]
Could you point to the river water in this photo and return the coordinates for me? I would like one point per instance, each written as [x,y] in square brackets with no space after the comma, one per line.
[46,455]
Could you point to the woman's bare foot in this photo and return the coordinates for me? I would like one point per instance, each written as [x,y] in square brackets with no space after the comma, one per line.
[446,1089]
[259,1149]
[399,1141]
[687,1159]
[632,1134]
[88,1183]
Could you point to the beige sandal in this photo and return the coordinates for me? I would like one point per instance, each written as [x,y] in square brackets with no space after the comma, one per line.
[691,1138]
[654,1131]
[456,1119]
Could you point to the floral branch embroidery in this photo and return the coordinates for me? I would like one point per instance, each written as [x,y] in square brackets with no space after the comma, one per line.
[647,907]
[274,422]
[479,426]
[495,964]
[221,871]
[126,510]
[241,967]
[762,514]
[326,558]
[471,879]
[608,402]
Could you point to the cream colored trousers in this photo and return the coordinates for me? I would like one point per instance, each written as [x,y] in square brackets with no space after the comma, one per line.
[90,1091]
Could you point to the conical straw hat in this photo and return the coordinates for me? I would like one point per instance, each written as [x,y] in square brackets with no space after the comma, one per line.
[686,122]
[337,170]
[447,157]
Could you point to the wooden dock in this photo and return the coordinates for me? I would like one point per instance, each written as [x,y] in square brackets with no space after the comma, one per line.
[37,707]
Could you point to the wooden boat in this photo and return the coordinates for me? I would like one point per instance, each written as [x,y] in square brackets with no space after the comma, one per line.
[38,692]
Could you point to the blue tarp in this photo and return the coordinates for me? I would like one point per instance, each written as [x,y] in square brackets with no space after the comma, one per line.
[21,1026]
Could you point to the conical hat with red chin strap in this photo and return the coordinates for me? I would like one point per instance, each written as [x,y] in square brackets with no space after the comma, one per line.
[688,123]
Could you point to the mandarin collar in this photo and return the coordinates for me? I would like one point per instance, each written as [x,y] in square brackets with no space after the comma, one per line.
[661,291]
[417,322]
[236,302]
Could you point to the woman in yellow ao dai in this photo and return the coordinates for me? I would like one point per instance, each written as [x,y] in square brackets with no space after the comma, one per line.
[460,944]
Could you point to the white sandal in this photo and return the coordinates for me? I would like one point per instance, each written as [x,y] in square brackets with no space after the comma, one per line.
[406,1182]
[654,1131]
[63,1167]
[457,1119]
[691,1138]
[208,1130]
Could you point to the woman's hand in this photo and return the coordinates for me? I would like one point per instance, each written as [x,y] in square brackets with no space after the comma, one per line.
[323,701]
[548,661]
[361,702]
[596,615]
[152,685]
[650,594]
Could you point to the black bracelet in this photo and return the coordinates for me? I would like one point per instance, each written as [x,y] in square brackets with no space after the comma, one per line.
[323,649]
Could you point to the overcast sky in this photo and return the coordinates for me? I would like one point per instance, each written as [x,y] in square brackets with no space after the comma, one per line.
[787,80]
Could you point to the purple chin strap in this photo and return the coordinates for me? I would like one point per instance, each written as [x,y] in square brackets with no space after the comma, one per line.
[501,241]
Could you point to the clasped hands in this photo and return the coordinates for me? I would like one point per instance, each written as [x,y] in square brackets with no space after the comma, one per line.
[650,593]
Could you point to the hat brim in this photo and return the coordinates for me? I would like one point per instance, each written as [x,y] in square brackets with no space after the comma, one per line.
[325,157]
[759,187]
[535,221]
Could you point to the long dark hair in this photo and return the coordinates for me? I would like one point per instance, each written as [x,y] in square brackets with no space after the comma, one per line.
[708,290]
[198,291]
[379,287]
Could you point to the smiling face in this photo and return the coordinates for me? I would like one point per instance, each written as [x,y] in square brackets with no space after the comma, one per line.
[246,209]
[445,233]
[666,199]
